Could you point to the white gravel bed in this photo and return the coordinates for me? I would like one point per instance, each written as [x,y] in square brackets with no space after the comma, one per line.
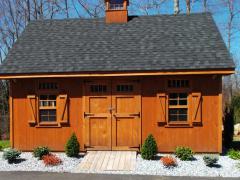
[30,163]
[227,167]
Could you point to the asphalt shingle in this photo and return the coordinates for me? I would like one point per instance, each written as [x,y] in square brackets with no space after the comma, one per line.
[162,42]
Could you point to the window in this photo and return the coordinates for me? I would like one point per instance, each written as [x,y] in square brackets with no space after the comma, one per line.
[178,107]
[47,86]
[116,4]
[47,108]
[178,83]
[124,88]
[98,88]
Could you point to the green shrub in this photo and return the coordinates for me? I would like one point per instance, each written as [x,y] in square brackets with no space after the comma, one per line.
[11,155]
[1,148]
[4,144]
[234,154]
[184,153]
[72,146]
[40,151]
[210,160]
[149,148]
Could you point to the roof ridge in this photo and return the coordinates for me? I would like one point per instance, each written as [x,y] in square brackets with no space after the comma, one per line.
[139,16]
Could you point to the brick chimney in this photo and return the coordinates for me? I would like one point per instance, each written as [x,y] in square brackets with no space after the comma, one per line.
[116,11]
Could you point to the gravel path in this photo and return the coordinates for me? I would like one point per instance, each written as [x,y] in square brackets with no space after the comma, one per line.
[227,167]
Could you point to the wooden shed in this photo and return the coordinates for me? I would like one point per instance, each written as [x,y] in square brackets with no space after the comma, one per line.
[116,80]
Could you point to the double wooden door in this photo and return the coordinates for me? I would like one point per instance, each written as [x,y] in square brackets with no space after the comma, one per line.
[112,115]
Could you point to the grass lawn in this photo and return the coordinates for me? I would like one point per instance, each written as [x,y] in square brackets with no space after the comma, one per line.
[4,144]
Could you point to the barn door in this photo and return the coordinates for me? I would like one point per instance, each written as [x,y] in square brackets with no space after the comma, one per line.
[126,116]
[97,117]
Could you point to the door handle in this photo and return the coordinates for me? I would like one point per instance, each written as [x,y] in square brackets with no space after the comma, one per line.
[135,114]
[88,114]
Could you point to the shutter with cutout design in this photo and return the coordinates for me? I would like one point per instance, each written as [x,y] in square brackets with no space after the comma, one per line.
[32,109]
[162,108]
[196,108]
[62,108]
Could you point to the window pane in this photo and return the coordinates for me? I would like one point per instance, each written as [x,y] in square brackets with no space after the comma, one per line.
[173,111]
[178,83]
[173,102]
[173,118]
[98,88]
[47,115]
[182,102]
[52,97]
[52,118]
[182,118]
[43,112]
[182,111]
[43,118]
[182,95]
[43,97]
[116,1]
[124,88]
[178,114]
[52,112]
[173,95]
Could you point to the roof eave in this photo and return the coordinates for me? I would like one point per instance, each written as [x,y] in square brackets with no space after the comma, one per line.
[228,71]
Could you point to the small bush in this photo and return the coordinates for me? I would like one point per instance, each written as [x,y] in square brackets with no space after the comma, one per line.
[40,151]
[169,161]
[1,148]
[4,144]
[72,146]
[210,160]
[51,160]
[11,155]
[149,148]
[234,154]
[184,153]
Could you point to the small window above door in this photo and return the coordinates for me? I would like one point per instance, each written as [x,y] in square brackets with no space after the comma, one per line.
[124,88]
[98,88]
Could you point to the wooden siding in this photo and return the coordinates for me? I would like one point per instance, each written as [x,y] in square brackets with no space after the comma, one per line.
[202,138]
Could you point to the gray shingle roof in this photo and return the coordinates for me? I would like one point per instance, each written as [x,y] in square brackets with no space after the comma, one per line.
[163,42]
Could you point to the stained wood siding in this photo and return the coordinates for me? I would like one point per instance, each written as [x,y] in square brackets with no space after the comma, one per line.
[202,138]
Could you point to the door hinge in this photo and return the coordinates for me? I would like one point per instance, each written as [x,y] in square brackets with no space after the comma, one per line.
[87,147]
[88,114]
[135,147]
[135,114]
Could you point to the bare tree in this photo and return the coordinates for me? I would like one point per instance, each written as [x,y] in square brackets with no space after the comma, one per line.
[147,6]
[66,8]
[176,7]
[205,5]
[188,3]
